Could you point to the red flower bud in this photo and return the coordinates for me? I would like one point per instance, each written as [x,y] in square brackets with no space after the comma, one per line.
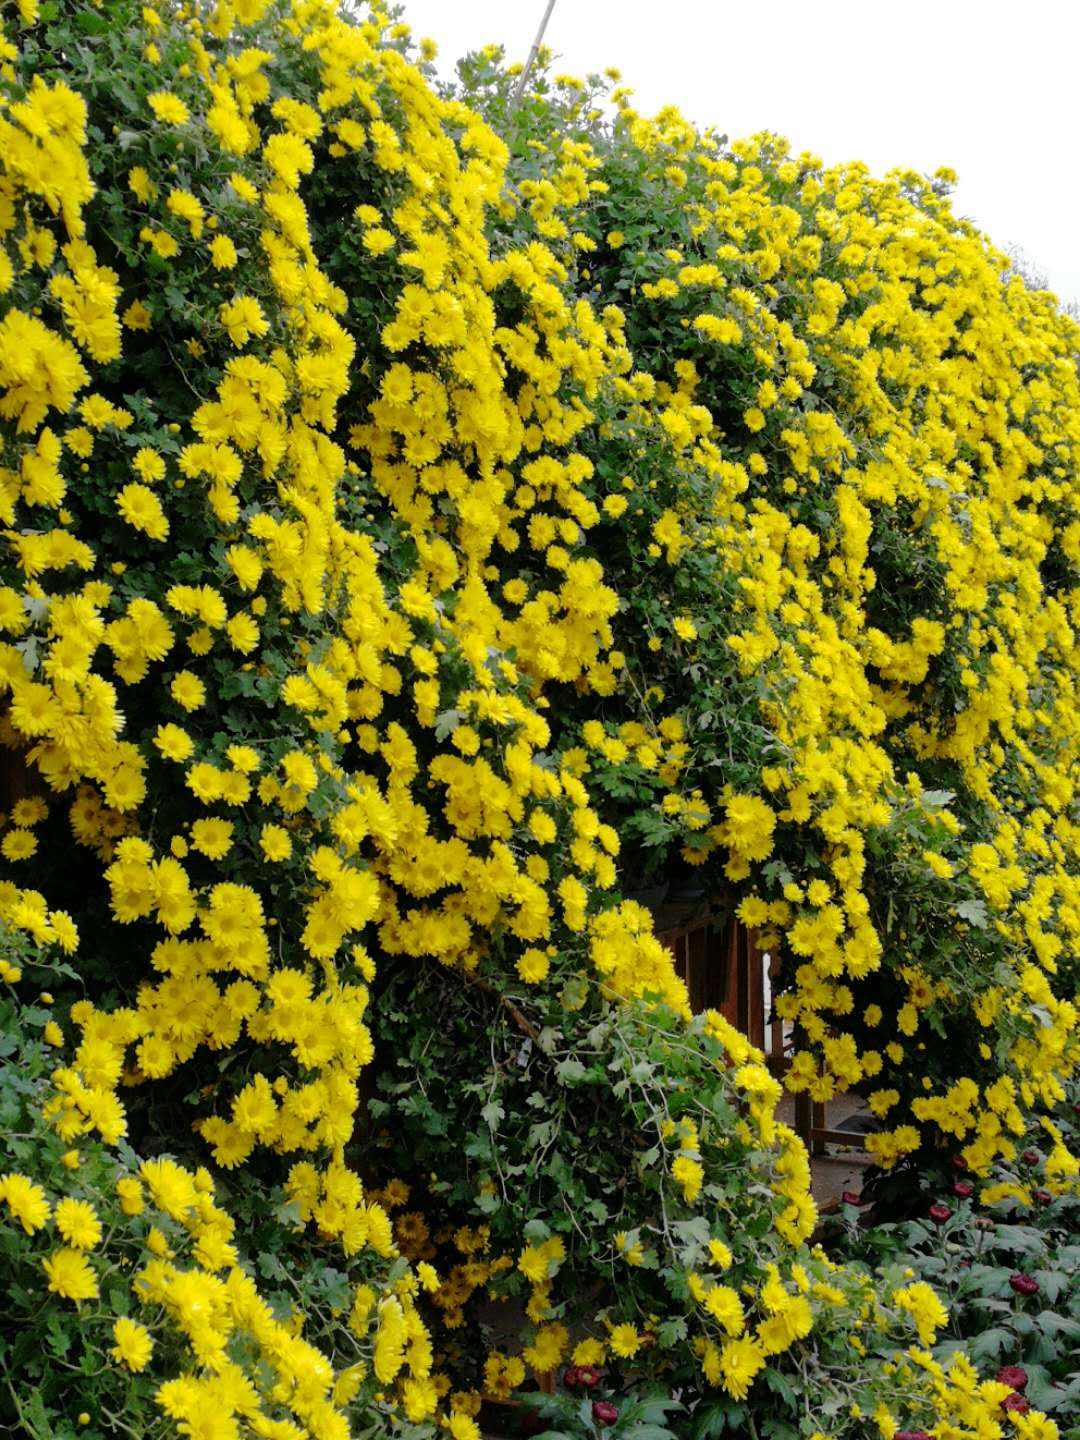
[1024,1284]
[1017,1404]
[1031,1157]
[1042,1196]
[964,1189]
[911,1435]
[851,1197]
[1013,1376]
[604,1413]
[939,1213]
[959,1163]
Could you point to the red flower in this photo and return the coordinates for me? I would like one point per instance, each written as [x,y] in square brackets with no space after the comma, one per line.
[964,1189]
[1016,1404]
[911,1435]
[572,1378]
[589,1376]
[604,1413]
[1024,1284]
[851,1197]
[1014,1376]
[939,1213]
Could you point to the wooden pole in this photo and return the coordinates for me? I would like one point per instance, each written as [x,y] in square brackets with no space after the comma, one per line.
[520,86]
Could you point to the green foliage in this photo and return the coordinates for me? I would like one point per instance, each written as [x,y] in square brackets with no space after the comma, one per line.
[976,1252]
[54,1357]
[639,1415]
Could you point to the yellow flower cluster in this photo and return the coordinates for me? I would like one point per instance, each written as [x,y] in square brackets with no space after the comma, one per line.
[994,434]
[363,841]
[915,402]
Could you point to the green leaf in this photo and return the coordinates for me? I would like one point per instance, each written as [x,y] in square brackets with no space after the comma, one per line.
[989,1344]
[570,1071]
[446,723]
[974,912]
[937,799]
[1050,1322]
[709,1422]
[493,1112]
[780,1385]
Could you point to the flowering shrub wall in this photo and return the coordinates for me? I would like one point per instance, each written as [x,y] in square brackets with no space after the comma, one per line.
[841,515]
[315,608]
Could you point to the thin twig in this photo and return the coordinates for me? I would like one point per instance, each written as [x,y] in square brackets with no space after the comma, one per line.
[519,1019]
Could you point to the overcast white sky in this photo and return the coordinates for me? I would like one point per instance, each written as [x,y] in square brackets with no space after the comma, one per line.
[991,88]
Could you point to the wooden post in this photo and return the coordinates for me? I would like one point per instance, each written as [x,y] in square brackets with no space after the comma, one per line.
[817,1128]
[519,88]
[755,985]
[16,779]
[776,1025]
[804,1118]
